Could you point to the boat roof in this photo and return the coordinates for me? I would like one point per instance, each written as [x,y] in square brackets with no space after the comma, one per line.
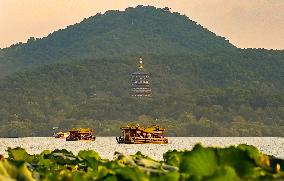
[81,130]
[150,129]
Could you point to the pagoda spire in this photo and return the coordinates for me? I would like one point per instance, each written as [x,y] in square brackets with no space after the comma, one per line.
[141,64]
[140,82]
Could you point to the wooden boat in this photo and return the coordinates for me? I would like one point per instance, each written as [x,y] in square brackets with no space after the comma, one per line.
[81,134]
[134,134]
[61,135]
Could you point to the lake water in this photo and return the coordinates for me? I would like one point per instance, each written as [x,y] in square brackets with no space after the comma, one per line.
[106,146]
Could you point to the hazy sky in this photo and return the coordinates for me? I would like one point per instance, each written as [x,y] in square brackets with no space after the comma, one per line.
[246,23]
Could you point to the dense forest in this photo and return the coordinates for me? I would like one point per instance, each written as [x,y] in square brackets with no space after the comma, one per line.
[79,76]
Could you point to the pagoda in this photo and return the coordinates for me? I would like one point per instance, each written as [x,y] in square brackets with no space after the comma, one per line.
[140,82]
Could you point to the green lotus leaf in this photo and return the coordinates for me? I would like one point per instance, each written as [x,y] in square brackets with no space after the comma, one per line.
[169,168]
[85,154]
[9,168]
[79,176]
[145,161]
[62,157]
[10,171]
[199,162]
[151,171]
[239,159]
[102,171]
[6,169]
[124,160]
[131,174]
[169,176]
[148,163]
[44,161]
[18,154]
[111,178]
[279,176]
[25,174]
[139,155]
[259,158]
[91,158]
[82,176]
[6,178]
[173,158]
[223,174]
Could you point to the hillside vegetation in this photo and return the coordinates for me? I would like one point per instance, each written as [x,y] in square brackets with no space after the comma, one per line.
[136,31]
[79,76]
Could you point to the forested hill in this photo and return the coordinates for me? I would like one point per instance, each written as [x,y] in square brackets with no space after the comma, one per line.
[79,76]
[135,31]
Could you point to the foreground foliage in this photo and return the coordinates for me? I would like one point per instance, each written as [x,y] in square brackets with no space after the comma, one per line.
[234,163]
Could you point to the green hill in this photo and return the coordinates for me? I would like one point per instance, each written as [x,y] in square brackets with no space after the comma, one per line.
[136,31]
[79,76]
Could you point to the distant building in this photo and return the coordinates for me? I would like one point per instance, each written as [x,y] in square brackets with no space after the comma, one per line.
[166,9]
[140,82]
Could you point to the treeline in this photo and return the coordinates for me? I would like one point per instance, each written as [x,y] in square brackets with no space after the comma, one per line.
[220,99]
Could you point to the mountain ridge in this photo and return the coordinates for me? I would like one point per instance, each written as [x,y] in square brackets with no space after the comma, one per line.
[121,32]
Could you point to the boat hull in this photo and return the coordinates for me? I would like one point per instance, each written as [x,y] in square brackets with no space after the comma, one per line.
[120,140]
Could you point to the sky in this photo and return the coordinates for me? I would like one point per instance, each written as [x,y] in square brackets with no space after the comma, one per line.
[246,23]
